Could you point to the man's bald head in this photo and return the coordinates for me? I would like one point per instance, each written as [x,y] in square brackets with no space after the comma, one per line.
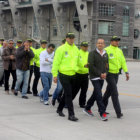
[100,44]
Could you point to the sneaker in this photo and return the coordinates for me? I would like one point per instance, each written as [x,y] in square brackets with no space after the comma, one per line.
[88,112]
[41,99]
[46,103]
[104,117]
[15,93]
[25,97]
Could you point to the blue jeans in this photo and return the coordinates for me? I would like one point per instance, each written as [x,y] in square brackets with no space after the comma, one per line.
[47,82]
[58,89]
[22,76]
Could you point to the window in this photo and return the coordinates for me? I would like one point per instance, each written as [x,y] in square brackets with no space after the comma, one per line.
[125,50]
[137,13]
[105,27]
[76,21]
[106,9]
[136,53]
[54,30]
[125,30]
[136,33]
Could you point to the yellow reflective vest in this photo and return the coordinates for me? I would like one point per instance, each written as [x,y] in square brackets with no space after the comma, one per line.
[32,60]
[65,60]
[82,61]
[37,54]
[116,59]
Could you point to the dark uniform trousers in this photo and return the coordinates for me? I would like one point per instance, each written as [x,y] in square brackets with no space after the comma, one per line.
[2,80]
[7,75]
[111,90]
[68,84]
[82,82]
[36,80]
[30,77]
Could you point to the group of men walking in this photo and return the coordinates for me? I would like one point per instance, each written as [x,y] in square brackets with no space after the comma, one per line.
[70,68]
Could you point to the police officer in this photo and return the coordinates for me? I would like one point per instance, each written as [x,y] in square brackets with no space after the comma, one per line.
[37,66]
[30,41]
[1,42]
[82,74]
[18,44]
[59,89]
[116,62]
[65,62]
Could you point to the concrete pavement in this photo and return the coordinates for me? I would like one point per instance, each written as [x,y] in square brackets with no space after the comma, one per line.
[30,120]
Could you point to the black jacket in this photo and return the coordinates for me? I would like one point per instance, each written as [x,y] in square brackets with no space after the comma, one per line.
[97,64]
[23,57]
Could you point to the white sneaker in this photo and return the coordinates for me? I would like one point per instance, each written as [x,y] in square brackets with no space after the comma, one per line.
[46,103]
[41,99]
[104,117]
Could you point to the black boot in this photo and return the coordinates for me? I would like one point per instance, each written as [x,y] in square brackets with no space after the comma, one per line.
[119,115]
[72,118]
[60,113]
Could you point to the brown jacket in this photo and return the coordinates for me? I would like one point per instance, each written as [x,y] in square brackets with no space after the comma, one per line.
[6,58]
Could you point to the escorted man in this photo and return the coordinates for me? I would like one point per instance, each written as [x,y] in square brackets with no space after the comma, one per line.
[46,60]
[65,63]
[82,74]
[37,66]
[19,44]
[23,56]
[9,63]
[98,67]
[30,41]
[116,63]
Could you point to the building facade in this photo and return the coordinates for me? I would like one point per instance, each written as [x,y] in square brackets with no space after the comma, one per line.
[136,45]
[52,19]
